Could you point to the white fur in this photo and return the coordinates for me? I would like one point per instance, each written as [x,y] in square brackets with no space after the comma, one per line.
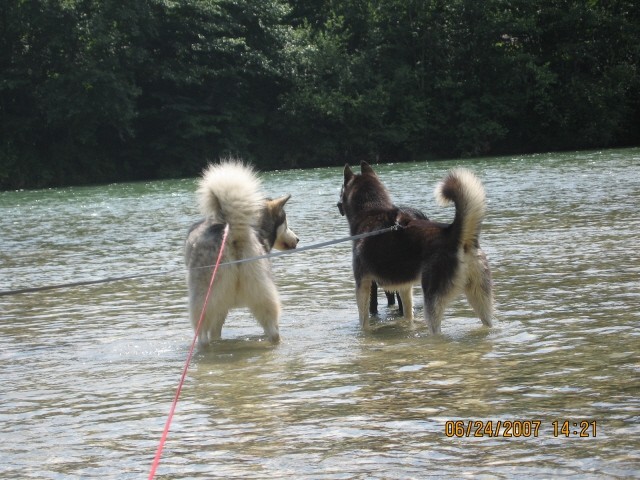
[473,275]
[231,193]
[471,202]
[474,278]
[286,239]
[245,285]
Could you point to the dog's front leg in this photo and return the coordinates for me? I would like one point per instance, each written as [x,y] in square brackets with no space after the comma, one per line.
[363,293]
[373,299]
[406,295]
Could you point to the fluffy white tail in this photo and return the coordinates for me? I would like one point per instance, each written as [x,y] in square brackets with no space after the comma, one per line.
[465,190]
[231,192]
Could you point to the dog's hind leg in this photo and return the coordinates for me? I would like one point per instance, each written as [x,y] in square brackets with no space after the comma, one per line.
[433,313]
[265,306]
[435,291]
[196,302]
[479,289]
[363,292]
[268,315]
[214,321]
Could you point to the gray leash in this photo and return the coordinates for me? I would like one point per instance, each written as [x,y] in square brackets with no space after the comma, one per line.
[44,288]
[310,247]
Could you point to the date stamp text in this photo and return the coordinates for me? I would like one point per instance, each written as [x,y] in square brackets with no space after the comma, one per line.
[520,428]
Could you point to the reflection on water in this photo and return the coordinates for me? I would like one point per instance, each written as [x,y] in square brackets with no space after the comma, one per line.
[88,373]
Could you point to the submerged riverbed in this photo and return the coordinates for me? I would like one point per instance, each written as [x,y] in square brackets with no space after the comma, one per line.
[88,373]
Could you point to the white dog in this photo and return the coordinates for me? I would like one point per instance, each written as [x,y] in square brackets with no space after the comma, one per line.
[230,193]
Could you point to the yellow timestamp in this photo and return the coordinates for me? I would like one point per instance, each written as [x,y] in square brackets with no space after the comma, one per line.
[492,428]
[576,428]
[519,428]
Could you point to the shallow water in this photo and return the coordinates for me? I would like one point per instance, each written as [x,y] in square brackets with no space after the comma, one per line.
[88,373]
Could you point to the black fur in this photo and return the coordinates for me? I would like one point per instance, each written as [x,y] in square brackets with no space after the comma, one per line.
[422,251]
[392,296]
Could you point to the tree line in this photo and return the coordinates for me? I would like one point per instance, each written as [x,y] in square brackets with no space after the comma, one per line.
[106,90]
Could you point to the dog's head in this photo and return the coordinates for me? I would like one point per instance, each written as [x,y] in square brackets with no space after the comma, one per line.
[274,227]
[362,190]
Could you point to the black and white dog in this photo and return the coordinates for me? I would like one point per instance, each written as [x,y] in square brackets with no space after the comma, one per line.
[391,296]
[231,193]
[445,258]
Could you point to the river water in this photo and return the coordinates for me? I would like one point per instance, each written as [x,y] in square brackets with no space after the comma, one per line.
[88,374]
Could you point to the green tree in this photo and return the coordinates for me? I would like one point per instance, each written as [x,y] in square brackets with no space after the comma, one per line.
[210,84]
[590,50]
[67,92]
[104,90]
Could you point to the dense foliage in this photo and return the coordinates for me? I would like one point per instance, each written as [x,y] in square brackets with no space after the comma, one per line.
[106,90]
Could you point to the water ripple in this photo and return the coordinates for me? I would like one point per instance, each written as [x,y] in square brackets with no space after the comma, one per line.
[88,374]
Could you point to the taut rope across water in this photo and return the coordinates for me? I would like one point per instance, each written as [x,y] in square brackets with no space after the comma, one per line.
[44,288]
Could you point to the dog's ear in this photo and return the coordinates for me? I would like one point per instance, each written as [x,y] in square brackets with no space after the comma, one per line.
[348,173]
[278,203]
[366,168]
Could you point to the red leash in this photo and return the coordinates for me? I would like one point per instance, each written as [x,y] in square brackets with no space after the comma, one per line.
[165,433]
